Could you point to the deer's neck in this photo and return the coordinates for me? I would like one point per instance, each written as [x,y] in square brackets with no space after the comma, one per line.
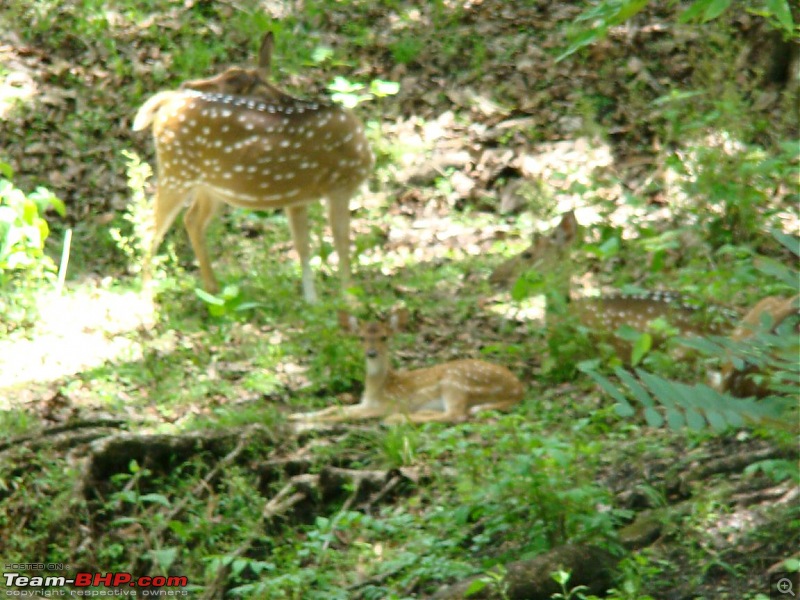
[379,374]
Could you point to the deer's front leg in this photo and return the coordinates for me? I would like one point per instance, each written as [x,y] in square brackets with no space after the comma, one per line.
[339,217]
[424,416]
[298,223]
[340,413]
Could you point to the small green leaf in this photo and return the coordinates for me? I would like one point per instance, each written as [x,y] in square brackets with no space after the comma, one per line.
[716,420]
[245,306]
[382,88]
[715,9]
[609,248]
[321,53]
[608,387]
[782,13]
[628,10]
[704,345]
[675,419]
[476,586]
[662,389]
[343,86]
[653,417]
[239,565]
[694,12]
[778,270]
[635,387]
[640,349]
[585,38]
[792,565]
[694,419]
[164,557]
[624,410]
[790,242]
[155,499]
[734,418]
[230,292]
[209,298]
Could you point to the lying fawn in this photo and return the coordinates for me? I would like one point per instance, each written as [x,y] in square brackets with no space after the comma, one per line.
[237,139]
[550,252]
[448,392]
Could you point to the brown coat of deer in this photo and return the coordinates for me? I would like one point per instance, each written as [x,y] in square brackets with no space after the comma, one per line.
[451,391]
[237,139]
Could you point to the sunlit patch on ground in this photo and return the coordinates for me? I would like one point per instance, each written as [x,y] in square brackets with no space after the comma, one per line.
[17,84]
[78,330]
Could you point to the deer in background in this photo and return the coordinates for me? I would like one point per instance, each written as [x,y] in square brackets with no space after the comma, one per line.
[450,391]
[767,315]
[550,252]
[237,139]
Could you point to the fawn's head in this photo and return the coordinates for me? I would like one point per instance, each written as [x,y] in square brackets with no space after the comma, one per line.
[545,249]
[239,81]
[375,334]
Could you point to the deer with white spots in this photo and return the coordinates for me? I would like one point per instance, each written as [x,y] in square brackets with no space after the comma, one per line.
[237,139]
[606,314]
[451,391]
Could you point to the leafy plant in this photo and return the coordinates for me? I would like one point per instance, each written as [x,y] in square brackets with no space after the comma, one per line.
[24,266]
[538,482]
[682,405]
[562,579]
[494,579]
[137,241]
[229,302]
[595,22]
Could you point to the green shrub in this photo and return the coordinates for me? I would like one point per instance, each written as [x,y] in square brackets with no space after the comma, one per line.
[24,266]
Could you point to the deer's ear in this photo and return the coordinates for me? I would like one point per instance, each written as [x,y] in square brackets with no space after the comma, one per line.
[348,322]
[265,54]
[398,319]
[568,227]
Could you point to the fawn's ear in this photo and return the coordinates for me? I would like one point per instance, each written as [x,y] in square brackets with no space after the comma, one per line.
[398,319]
[348,322]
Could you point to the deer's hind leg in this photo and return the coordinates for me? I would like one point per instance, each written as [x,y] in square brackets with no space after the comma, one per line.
[196,221]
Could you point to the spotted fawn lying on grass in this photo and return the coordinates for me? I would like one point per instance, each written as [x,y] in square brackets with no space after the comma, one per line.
[237,139]
[450,391]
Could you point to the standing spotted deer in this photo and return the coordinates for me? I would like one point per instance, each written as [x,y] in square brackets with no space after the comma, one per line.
[451,391]
[237,139]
